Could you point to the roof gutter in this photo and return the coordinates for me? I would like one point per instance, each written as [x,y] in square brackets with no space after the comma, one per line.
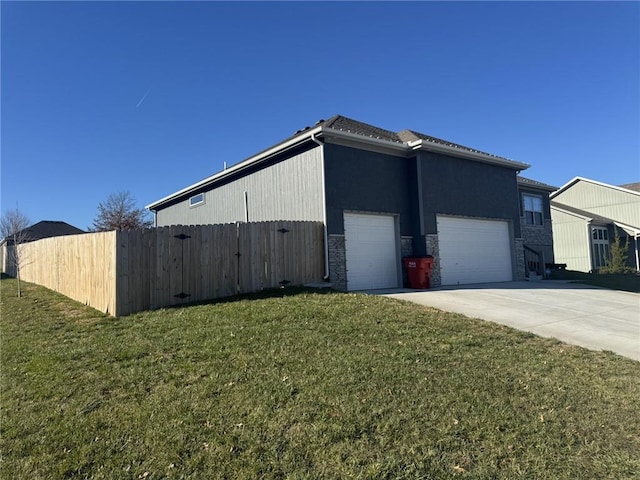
[458,152]
[256,159]
[330,133]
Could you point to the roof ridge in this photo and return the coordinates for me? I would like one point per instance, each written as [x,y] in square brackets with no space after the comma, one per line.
[346,124]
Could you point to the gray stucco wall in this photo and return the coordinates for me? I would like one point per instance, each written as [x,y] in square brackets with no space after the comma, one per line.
[290,189]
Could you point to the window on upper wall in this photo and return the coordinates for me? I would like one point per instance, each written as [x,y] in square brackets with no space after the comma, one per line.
[532,209]
[196,200]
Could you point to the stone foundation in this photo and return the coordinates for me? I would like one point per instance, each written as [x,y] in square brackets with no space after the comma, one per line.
[433,249]
[521,271]
[337,262]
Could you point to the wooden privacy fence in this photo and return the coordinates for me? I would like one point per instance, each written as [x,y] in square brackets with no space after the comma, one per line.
[81,267]
[126,272]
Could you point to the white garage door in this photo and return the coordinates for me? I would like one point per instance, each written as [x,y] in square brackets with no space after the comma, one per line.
[474,251]
[370,244]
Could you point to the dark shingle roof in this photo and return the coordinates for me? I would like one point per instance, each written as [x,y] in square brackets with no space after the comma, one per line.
[411,136]
[338,122]
[536,184]
[49,228]
[344,124]
[632,186]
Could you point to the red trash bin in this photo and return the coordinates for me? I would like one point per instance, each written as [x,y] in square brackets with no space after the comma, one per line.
[419,271]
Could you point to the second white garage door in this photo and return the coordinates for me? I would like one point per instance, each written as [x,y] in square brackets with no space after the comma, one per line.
[474,251]
[371,255]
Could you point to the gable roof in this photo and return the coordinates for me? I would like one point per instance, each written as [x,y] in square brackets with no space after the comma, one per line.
[599,201]
[46,229]
[347,129]
[571,183]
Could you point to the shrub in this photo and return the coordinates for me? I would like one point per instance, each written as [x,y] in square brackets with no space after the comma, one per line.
[617,261]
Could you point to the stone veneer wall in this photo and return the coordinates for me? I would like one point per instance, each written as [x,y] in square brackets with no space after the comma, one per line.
[541,235]
[406,250]
[521,271]
[433,249]
[337,262]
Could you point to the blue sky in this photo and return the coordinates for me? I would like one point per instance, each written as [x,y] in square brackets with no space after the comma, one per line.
[150,97]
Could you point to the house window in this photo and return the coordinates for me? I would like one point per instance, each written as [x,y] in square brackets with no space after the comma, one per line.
[600,243]
[196,200]
[532,209]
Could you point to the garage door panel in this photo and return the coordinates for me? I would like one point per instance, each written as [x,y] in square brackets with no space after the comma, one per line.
[474,251]
[370,244]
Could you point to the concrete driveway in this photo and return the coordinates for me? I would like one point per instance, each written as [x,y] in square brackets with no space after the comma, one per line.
[591,317]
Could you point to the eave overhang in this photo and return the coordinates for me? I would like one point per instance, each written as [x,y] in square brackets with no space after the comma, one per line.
[575,180]
[470,155]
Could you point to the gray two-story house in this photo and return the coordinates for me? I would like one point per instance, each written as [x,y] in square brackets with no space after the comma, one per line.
[381,195]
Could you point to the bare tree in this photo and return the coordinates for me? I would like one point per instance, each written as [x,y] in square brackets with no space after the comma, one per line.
[119,212]
[14,231]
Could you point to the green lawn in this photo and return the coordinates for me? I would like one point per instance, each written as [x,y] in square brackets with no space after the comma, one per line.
[627,282]
[304,385]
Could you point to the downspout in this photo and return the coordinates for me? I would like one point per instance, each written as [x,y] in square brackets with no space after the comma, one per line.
[246,206]
[324,210]
[420,191]
[637,255]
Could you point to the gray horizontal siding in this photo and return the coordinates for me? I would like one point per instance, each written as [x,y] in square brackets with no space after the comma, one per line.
[288,190]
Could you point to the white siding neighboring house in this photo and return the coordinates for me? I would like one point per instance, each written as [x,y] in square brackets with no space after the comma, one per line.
[586,214]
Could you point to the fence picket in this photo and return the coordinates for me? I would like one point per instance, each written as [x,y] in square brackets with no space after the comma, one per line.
[126,272]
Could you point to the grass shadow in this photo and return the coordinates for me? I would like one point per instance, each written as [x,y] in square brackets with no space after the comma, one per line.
[281,292]
[625,282]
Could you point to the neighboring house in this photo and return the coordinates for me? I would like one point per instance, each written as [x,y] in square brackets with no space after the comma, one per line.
[535,224]
[45,229]
[381,195]
[586,215]
[37,231]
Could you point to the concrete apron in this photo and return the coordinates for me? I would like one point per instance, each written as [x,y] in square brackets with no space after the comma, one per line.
[591,317]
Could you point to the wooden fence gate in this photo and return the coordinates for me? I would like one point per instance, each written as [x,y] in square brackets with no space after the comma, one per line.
[180,264]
